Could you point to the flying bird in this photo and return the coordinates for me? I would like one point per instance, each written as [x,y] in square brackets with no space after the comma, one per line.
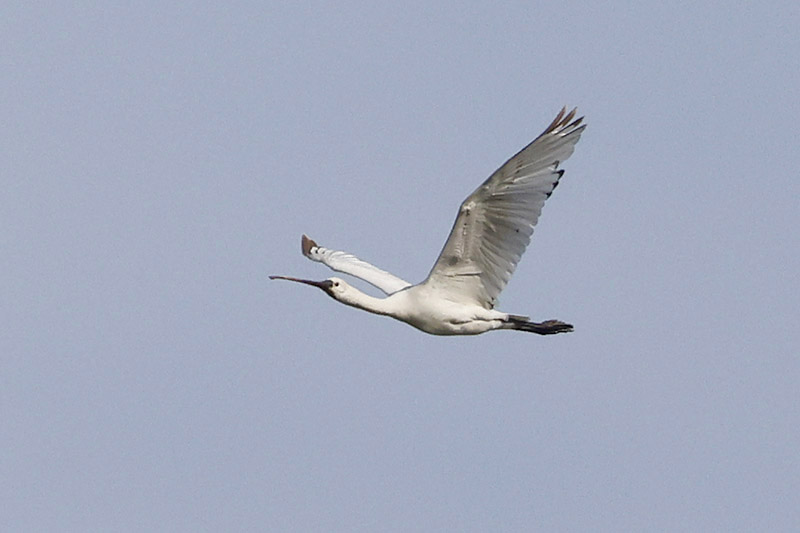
[492,229]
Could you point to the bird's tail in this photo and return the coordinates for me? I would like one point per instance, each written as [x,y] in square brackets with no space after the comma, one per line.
[548,327]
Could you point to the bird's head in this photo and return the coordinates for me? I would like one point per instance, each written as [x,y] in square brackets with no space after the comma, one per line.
[334,287]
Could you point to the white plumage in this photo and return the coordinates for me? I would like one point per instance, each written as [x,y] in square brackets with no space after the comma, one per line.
[492,229]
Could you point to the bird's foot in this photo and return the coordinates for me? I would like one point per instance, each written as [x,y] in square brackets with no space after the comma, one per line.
[550,327]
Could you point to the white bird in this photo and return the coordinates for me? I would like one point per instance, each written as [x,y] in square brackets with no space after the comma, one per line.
[493,227]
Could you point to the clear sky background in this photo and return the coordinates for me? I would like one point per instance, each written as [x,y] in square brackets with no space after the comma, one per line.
[158,163]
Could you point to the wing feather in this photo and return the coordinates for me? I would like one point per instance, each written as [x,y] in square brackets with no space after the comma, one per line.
[495,223]
[352,265]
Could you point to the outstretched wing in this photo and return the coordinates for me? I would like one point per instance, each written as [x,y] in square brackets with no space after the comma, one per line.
[350,264]
[495,223]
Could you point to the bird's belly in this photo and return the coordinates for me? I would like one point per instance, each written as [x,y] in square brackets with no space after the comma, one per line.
[451,320]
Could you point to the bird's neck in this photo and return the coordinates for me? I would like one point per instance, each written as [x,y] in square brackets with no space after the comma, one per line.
[379,306]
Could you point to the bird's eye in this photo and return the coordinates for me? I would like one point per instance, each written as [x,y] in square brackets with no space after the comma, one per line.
[335,283]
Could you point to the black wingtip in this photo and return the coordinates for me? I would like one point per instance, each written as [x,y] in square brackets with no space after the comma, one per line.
[306,245]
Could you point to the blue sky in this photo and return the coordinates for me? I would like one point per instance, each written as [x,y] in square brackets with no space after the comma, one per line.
[161,161]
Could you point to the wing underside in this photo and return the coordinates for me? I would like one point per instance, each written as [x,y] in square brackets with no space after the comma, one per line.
[495,223]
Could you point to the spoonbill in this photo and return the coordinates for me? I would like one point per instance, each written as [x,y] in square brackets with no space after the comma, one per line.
[492,229]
